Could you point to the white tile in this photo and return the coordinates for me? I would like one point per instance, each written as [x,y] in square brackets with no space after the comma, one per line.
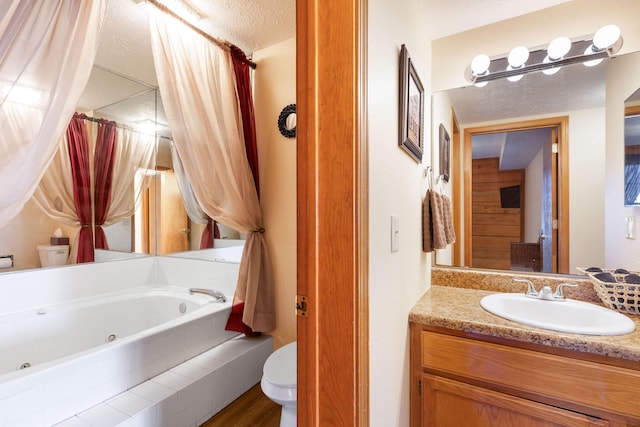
[146,418]
[24,403]
[153,391]
[130,403]
[171,422]
[103,416]
[73,422]
[190,370]
[187,417]
[33,419]
[172,380]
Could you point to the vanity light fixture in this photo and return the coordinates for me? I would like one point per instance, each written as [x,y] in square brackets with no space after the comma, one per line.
[589,50]
[517,59]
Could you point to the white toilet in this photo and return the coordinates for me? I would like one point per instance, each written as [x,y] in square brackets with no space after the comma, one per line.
[279,382]
[52,255]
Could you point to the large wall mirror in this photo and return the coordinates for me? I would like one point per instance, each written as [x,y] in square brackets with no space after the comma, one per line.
[123,88]
[532,171]
[632,150]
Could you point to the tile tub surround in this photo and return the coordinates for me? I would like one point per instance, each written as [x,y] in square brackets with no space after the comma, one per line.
[187,395]
[458,309]
[502,281]
[60,391]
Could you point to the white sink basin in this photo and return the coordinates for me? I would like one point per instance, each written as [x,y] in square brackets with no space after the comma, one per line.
[571,316]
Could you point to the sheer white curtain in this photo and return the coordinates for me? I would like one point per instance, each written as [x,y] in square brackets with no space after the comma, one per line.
[195,212]
[134,153]
[197,83]
[54,194]
[47,50]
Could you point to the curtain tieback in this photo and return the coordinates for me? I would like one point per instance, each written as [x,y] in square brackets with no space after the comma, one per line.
[258,230]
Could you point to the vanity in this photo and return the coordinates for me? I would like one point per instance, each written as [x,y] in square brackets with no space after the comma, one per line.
[472,368]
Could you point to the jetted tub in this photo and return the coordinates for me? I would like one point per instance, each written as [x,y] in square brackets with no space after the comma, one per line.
[77,354]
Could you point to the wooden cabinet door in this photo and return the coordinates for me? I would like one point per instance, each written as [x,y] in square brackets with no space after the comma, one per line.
[448,403]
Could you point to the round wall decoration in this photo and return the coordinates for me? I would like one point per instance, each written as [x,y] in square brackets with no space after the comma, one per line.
[287,121]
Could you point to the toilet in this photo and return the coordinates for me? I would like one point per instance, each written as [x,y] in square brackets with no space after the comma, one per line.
[52,255]
[279,382]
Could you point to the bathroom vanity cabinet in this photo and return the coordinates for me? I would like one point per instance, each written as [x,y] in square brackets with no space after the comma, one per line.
[459,381]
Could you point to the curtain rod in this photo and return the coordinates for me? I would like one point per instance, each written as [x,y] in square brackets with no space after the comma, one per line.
[121,126]
[223,44]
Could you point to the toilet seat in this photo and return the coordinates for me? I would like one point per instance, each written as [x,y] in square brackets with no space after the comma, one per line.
[279,379]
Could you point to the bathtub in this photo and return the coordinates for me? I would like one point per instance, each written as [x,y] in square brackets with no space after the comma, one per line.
[59,361]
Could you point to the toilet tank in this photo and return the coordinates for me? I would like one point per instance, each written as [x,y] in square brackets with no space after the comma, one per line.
[52,255]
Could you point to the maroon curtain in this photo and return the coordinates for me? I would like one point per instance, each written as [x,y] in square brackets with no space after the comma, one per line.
[210,233]
[243,86]
[78,144]
[103,175]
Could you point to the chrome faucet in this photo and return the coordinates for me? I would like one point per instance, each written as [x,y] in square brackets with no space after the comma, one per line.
[545,293]
[219,296]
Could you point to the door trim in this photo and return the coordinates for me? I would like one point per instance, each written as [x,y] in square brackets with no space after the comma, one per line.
[562,123]
[332,221]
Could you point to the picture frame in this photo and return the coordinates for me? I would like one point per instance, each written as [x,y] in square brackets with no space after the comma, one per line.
[444,150]
[411,109]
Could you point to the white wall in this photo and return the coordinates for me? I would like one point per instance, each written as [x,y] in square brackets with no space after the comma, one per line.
[274,88]
[586,188]
[441,113]
[623,79]
[396,187]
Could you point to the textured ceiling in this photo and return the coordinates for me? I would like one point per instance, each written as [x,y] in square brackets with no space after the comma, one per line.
[125,49]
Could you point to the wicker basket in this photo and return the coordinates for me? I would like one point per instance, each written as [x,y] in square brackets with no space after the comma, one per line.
[621,296]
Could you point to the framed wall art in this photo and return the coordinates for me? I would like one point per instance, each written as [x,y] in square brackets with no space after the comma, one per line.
[411,107]
[444,150]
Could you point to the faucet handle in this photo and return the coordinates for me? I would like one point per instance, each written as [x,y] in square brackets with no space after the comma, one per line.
[531,290]
[558,294]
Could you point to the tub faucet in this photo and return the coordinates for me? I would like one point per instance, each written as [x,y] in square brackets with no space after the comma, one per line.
[219,296]
[545,292]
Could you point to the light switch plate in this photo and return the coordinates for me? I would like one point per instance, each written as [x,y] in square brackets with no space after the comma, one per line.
[395,233]
[630,227]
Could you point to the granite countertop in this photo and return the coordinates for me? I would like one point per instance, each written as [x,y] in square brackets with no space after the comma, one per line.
[459,309]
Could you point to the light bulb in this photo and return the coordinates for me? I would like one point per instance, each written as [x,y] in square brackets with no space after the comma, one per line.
[549,71]
[480,65]
[513,78]
[518,56]
[590,51]
[558,48]
[606,37]
[481,84]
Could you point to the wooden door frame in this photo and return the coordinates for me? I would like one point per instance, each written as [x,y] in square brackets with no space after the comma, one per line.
[456,149]
[332,203]
[562,123]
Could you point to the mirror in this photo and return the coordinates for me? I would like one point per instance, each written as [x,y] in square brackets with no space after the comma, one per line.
[123,87]
[576,92]
[632,150]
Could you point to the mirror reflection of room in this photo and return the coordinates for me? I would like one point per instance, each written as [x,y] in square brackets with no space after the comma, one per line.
[147,208]
[560,225]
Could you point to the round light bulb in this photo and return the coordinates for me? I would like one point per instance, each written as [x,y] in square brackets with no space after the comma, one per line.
[549,71]
[558,48]
[513,78]
[518,56]
[481,84]
[606,37]
[590,51]
[480,65]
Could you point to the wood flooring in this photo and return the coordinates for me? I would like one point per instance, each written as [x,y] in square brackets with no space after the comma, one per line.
[252,409]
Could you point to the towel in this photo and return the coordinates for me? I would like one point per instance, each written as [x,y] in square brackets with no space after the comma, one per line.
[437,220]
[449,231]
[427,227]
